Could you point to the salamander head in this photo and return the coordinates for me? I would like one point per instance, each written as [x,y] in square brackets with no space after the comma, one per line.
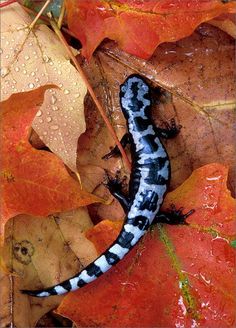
[135,96]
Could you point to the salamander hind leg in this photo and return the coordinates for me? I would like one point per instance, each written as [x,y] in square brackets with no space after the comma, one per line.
[173,216]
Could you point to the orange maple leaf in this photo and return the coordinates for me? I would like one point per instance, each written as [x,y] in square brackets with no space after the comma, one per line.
[177,276]
[139,26]
[32,181]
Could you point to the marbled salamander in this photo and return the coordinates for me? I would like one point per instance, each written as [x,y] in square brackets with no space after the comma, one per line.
[148,184]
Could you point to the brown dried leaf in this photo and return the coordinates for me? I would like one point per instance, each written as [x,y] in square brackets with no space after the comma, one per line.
[31,58]
[198,75]
[42,252]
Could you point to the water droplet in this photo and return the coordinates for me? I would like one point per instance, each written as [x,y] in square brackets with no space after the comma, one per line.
[14,81]
[49,119]
[53,100]
[77,95]
[24,71]
[39,113]
[54,127]
[7,56]
[75,83]
[37,79]
[66,92]
[4,71]
[7,42]
[46,58]
[55,108]
[27,57]
[45,133]
[31,85]
[17,69]
[40,121]
[60,85]
[32,74]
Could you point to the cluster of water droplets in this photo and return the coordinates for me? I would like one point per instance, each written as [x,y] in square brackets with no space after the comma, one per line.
[31,59]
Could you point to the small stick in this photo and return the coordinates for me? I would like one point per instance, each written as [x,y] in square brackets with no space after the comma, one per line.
[6,3]
[90,89]
[39,14]
[61,16]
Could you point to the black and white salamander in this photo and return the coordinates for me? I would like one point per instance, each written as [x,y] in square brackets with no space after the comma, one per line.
[148,183]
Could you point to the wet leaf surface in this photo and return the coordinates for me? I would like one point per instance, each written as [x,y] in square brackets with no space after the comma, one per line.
[177,275]
[139,26]
[32,181]
[33,58]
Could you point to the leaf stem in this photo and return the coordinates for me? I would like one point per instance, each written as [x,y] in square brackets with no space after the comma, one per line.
[90,89]
[39,14]
[7,3]
[61,16]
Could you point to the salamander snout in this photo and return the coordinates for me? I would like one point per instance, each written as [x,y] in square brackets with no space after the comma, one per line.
[134,95]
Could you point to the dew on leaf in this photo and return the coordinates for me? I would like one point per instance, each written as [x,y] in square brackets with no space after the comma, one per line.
[17,69]
[24,71]
[66,92]
[32,74]
[53,100]
[27,57]
[55,108]
[77,95]
[39,113]
[59,72]
[31,85]
[54,127]
[46,58]
[4,71]
[48,119]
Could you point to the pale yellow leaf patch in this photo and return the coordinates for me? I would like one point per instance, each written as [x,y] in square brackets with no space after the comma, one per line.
[32,58]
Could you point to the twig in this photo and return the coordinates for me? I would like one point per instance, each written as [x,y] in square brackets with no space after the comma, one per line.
[61,16]
[6,3]
[39,14]
[90,89]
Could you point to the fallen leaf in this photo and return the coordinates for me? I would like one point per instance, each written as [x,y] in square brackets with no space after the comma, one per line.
[177,276]
[139,26]
[225,22]
[197,75]
[33,58]
[41,251]
[33,182]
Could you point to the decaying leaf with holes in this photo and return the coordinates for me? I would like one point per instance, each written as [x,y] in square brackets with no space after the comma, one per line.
[177,276]
[32,181]
[32,58]
[41,251]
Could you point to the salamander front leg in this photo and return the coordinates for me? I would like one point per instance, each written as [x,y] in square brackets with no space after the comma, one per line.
[170,131]
[115,186]
[125,140]
[173,216]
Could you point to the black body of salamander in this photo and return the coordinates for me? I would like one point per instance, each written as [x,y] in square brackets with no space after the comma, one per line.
[148,183]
